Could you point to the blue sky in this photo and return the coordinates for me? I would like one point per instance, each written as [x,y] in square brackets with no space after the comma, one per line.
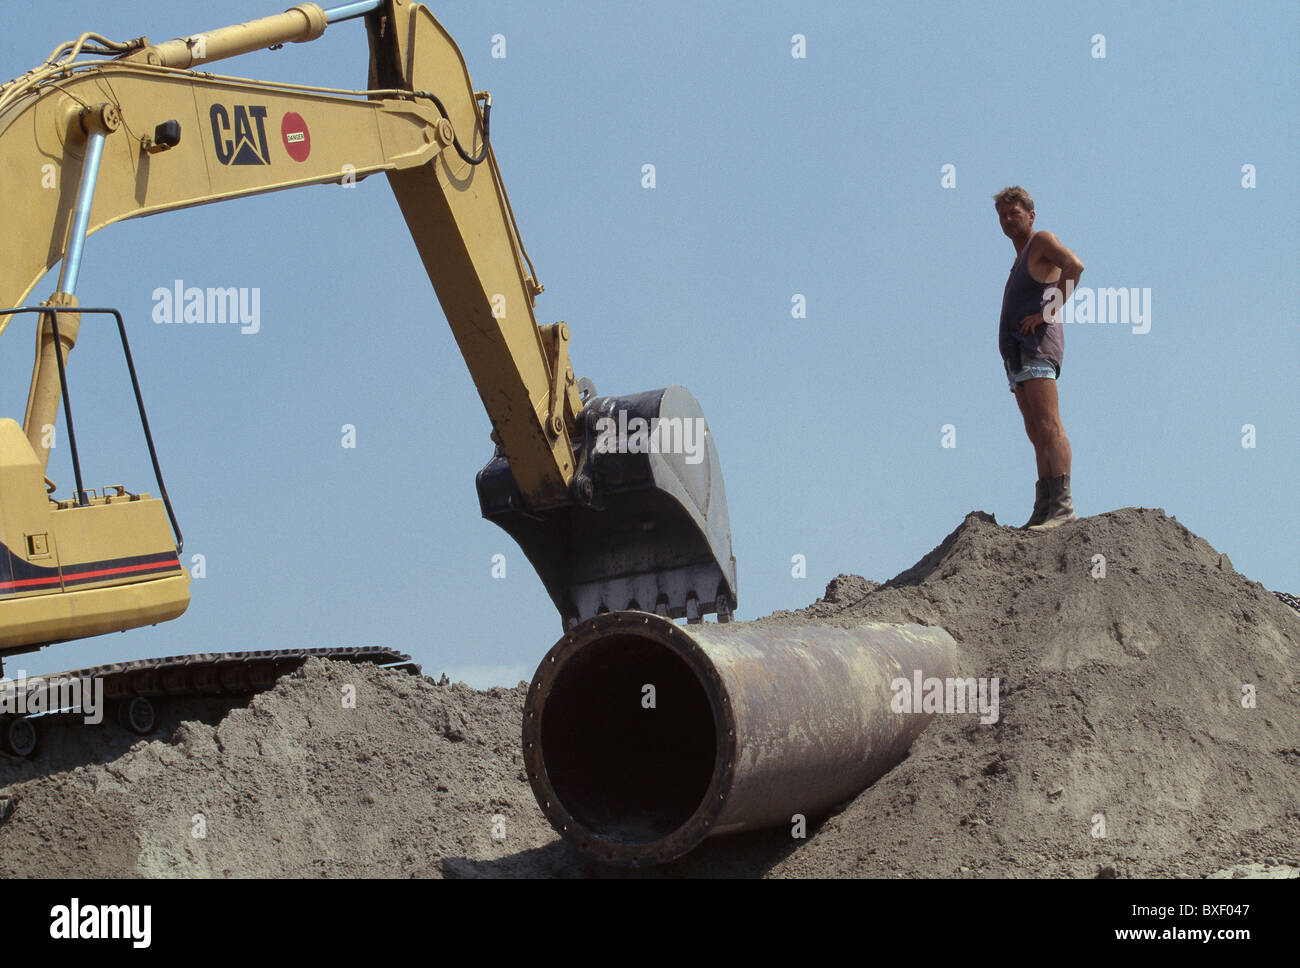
[775,176]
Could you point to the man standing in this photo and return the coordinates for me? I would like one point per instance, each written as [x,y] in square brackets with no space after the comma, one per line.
[1032,343]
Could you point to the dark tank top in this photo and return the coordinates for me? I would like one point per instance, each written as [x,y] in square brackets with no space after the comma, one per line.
[1022,296]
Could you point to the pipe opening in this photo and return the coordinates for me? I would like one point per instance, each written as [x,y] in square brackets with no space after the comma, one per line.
[627,770]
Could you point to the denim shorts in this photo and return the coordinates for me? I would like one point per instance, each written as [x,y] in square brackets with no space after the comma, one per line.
[1035,369]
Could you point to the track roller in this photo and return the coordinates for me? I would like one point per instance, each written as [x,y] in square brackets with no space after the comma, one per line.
[138,715]
[19,734]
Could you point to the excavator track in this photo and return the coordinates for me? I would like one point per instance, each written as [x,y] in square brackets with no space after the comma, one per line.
[133,687]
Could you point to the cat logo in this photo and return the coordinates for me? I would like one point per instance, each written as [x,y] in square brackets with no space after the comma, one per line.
[247,147]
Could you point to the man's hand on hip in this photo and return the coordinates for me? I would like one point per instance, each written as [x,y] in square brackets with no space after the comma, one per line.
[1032,322]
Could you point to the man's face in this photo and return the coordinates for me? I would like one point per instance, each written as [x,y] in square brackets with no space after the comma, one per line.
[1016,222]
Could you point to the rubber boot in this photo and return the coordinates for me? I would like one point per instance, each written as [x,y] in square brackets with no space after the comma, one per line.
[1060,506]
[1040,505]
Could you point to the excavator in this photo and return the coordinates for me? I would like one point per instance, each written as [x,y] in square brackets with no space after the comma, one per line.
[127,129]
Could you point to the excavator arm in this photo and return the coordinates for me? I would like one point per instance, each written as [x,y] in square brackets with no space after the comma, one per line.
[617,501]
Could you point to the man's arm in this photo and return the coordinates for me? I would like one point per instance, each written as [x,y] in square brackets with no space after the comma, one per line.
[1051,252]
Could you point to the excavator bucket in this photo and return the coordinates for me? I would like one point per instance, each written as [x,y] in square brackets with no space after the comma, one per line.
[646,527]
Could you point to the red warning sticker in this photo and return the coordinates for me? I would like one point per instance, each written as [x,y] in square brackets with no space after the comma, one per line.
[297,139]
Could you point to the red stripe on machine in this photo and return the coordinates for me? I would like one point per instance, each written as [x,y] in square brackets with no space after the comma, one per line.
[98,573]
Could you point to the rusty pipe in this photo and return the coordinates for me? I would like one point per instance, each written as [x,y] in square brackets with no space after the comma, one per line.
[642,737]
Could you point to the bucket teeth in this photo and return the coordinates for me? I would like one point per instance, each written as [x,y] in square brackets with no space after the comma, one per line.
[690,608]
[693,611]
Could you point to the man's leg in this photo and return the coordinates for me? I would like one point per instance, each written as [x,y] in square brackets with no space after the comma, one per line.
[1031,431]
[1043,424]
[1041,494]
[1039,405]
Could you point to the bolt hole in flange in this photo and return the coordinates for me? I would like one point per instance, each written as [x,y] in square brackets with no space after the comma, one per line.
[19,736]
[138,715]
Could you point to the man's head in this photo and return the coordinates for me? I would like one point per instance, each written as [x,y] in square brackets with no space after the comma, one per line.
[1015,211]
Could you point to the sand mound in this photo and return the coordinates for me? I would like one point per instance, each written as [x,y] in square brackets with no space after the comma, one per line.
[1122,747]
[1121,703]
[414,780]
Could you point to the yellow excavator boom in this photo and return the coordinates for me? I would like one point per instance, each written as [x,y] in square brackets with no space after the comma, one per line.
[610,519]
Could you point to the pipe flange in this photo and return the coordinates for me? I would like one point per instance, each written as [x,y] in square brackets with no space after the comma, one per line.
[609,634]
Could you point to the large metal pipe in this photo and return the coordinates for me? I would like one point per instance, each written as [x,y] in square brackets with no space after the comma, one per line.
[642,737]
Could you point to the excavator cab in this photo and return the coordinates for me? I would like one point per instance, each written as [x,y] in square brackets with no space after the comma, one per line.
[647,526]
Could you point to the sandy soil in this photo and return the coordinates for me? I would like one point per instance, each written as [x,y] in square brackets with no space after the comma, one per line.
[1121,699]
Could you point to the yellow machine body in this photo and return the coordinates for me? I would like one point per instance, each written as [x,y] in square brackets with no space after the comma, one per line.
[69,571]
[130,129]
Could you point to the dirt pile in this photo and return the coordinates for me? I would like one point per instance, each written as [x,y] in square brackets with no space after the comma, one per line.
[412,780]
[1124,646]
